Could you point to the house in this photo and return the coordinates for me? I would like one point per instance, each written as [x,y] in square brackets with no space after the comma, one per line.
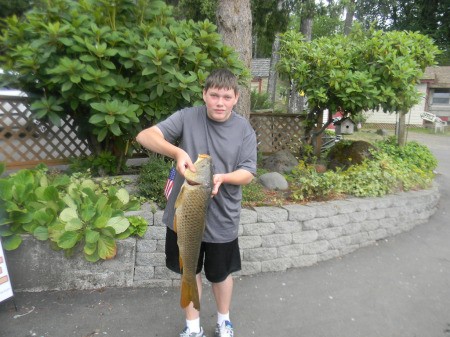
[260,74]
[435,89]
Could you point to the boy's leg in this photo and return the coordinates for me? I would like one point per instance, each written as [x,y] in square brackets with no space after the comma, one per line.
[223,292]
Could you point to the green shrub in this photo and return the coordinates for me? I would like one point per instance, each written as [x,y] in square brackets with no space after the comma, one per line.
[152,179]
[69,211]
[113,66]
[259,101]
[412,153]
[307,183]
[391,169]
[104,164]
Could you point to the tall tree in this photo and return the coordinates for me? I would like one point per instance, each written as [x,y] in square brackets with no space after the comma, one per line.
[362,71]
[234,21]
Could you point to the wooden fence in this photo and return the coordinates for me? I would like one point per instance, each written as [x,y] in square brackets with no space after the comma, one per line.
[277,132]
[25,142]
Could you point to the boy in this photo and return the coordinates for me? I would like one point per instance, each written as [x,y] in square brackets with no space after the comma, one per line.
[217,130]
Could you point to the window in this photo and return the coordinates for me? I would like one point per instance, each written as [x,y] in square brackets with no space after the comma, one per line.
[441,96]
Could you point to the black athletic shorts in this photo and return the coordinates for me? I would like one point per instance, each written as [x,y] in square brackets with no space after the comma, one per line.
[219,259]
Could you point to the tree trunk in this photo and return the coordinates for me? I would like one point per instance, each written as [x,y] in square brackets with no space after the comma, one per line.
[349,17]
[401,127]
[234,22]
[297,101]
[306,30]
[273,74]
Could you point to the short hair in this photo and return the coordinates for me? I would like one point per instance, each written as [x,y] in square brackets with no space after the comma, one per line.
[222,79]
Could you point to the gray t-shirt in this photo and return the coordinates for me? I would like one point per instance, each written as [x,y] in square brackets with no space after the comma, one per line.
[232,146]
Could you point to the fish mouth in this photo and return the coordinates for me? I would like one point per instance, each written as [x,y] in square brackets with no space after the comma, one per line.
[192,183]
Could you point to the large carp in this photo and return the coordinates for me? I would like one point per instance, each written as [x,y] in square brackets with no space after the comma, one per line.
[189,224]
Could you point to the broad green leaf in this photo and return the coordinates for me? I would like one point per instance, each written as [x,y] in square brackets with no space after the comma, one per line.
[21,217]
[68,214]
[5,230]
[88,183]
[69,202]
[106,247]
[42,216]
[68,240]
[5,189]
[101,203]
[115,129]
[55,231]
[123,196]
[92,257]
[102,134]
[73,225]
[66,86]
[87,212]
[97,118]
[11,242]
[90,248]
[91,236]
[41,233]
[120,224]
[108,231]
[125,234]
[51,193]
[109,119]
[30,227]
[101,221]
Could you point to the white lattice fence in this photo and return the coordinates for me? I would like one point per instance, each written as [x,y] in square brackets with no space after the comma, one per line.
[25,142]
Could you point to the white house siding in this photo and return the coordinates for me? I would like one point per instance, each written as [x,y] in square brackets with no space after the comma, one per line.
[412,118]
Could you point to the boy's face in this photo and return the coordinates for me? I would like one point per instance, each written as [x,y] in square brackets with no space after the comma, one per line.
[219,103]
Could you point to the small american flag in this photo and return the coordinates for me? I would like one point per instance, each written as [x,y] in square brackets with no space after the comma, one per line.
[169,182]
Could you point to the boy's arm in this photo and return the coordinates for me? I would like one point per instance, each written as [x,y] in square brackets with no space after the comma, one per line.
[153,139]
[238,177]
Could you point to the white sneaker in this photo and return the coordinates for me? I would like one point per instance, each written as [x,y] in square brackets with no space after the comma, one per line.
[187,333]
[224,330]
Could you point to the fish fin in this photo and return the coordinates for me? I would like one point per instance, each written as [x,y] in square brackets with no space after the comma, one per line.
[181,262]
[189,293]
[175,223]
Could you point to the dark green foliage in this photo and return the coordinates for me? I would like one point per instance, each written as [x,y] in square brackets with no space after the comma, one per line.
[259,101]
[152,179]
[105,164]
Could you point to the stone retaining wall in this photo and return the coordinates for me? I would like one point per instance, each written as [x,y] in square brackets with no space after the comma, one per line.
[292,236]
[272,239]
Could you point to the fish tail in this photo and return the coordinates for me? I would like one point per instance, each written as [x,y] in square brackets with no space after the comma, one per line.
[189,293]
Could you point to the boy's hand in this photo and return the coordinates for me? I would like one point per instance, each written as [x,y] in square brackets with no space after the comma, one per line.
[217,181]
[184,162]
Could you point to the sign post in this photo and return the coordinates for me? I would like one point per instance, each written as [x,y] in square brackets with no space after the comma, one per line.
[5,282]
